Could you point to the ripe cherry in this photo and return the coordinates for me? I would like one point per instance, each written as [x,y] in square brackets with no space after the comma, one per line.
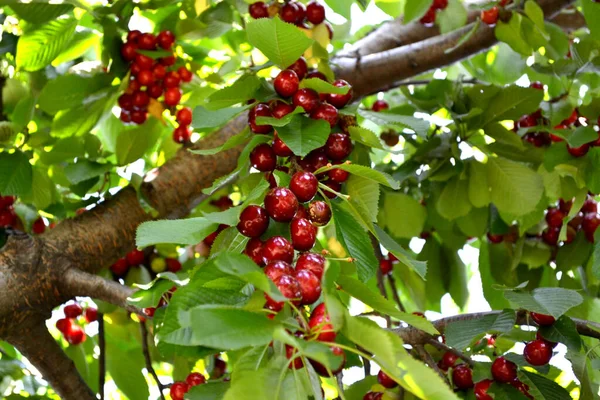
[258,10]
[178,390]
[195,379]
[184,116]
[141,99]
[168,61]
[254,250]
[527,121]
[291,12]
[316,75]
[320,324]
[312,262]
[542,319]
[537,352]
[39,226]
[147,41]
[91,314]
[440,4]
[539,336]
[550,236]
[165,39]
[155,90]
[132,36]
[462,376]
[380,105]
[173,265]
[75,335]
[172,96]
[120,267]
[254,221]
[314,160]
[6,201]
[159,71]
[571,234]
[320,368]
[278,248]
[303,233]
[290,352]
[299,67]
[572,118]
[73,310]
[504,371]
[554,217]
[315,12]
[185,74]
[143,62]
[138,116]
[125,101]
[490,16]
[385,266]
[385,380]
[63,325]
[537,85]
[304,185]
[182,134]
[447,361]
[145,77]
[373,396]
[319,213]
[259,110]
[326,112]
[263,158]
[275,269]
[589,206]
[280,148]
[429,18]
[338,146]
[172,79]
[290,288]
[578,151]
[310,285]
[590,223]
[338,175]
[286,83]
[481,389]
[128,51]
[135,257]
[281,204]
[340,100]
[280,109]
[308,99]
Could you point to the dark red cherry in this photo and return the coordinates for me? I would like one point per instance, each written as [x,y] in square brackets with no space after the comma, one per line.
[254,250]
[310,285]
[143,62]
[554,217]
[184,116]
[254,221]
[578,151]
[132,36]
[504,371]
[159,71]
[340,100]
[155,90]
[439,4]
[135,257]
[275,269]
[303,233]
[304,185]
[315,12]
[291,12]
[147,41]
[195,379]
[308,99]
[481,389]
[589,206]
[590,223]
[258,10]
[462,376]
[278,248]
[286,83]
[120,267]
[129,51]
[550,236]
[178,390]
[326,112]
[263,158]
[312,262]
[447,361]
[320,325]
[380,105]
[172,96]
[281,204]
[537,85]
[373,396]
[385,380]
[259,110]
[290,288]
[145,77]
[338,146]
[316,75]
[141,99]
[490,16]
[495,238]
[299,67]
[172,79]
[125,101]
[75,335]
[64,324]
[280,148]
[539,336]
[291,353]
[314,160]
[429,18]
[165,39]
[338,175]
[280,109]
[73,310]
[385,266]
[185,74]
[182,134]
[538,352]
[319,213]
[542,319]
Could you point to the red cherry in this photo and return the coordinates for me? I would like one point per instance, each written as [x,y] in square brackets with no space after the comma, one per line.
[91,314]
[490,16]
[184,116]
[182,134]
[139,116]
[290,288]
[326,112]
[143,62]
[373,396]
[316,75]
[133,35]
[572,118]
[259,110]
[291,12]
[133,86]
[385,266]
[538,352]
[165,39]
[554,217]
[338,146]
[340,100]
[286,83]
[338,175]
[254,250]
[440,4]
[310,285]
[527,121]
[429,18]
[335,186]
[290,352]
[141,99]
[155,90]
[319,310]
[308,99]
[275,269]
[278,248]
[39,226]
[304,185]
[542,319]
[589,206]
[550,236]
[571,234]
[578,151]
[320,368]
[6,201]
[159,71]
[538,336]
[522,387]
[299,67]
[120,267]
[185,74]
[315,13]
[173,265]
[495,238]
[75,335]
[576,221]
[321,325]
[135,257]
[447,361]
[168,61]
[314,160]
[195,379]
[385,380]
[312,262]
[462,376]
[303,233]
[128,51]
[537,85]
[125,101]
[63,325]
[590,223]
[280,109]
[172,96]
[280,148]
[481,389]
[135,70]
[172,79]
[302,212]
[263,158]
[8,217]
[178,390]
[319,213]
[565,206]
[258,10]
[149,311]
[380,105]
[254,221]
[145,77]
[281,204]
[503,370]
[147,41]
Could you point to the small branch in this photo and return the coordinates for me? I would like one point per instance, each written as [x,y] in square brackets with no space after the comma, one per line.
[428,359]
[102,356]
[443,347]
[367,367]
[394,288]
[80,283]
[380,282]
[151,371]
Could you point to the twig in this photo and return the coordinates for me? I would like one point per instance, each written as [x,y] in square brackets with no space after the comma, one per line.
[102,356]
[380,282]
[367,367]
[428,359]
[441,346]
[146,351]
[394,288]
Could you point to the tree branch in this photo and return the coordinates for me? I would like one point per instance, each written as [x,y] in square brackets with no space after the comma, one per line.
[149,367]
[80,283]
[443,347]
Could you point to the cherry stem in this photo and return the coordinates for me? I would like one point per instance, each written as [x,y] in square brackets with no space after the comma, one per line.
[146,351]
[101,356]
[342,196]
[394,288]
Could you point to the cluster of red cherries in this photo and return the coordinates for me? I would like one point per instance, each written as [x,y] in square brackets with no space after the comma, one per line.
[488,16]
[391,138]
[8,217]
[586,219]
[136,258]
[154,79]
[69,327]
[180,388]
[292,12]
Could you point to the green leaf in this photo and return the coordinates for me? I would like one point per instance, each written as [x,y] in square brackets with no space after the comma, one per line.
[322,86]
[341,7]
[132,144]
[207,119]
[543,388]
[452,17]
[562,331]
[208,391]
[479,189]
[38,13]
[125,360]
[43,190]
[512,102]
[221,327]
[83,170]
[581,136]
[151,297]
[460,334]
[420,267]
[283,121]
[79,120]
[550,301]
[365,136]
[365,172]
[78,46]
[281,42]
[591,12]
[37,47]
[179,231]
[515,189]
[402,215]
[376,301]
[510,33]
[574,254]
[454,199]
[505,392]
[303,134]
[69,91]
[415,9]
[536,15]
[364,196]
[356,241]
[239,92]
[234,141]
[387,118]
[15,174]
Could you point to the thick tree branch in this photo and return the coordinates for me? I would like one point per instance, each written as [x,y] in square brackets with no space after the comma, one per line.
[80,283]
